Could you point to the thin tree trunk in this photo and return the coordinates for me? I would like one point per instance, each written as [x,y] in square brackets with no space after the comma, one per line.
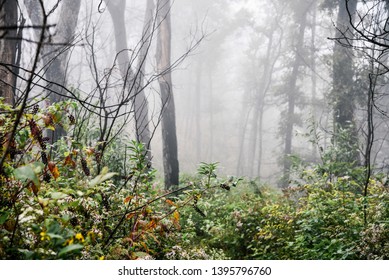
[198,112]
[254,132]
[315,107]
[134,81]
[55,55]
[141,104]
[8,43]
[211,114]
[343,89]
[292,96]
[264,85]
[169,136]
[244,120]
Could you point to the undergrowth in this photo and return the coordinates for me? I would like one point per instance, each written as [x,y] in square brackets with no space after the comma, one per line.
[67,200]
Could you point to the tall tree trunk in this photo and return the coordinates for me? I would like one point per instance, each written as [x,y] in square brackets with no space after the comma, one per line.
[134,80]
[141,105]
[197,105]
[262,89]
[56,51]
[343,89]
[8,43]
[169,136]
[315,106]
[243,123]
[254,132]
[211,113]
[292,96]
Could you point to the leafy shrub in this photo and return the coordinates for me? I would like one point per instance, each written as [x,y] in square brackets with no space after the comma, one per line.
[59,201]
[321,217]
[53,204]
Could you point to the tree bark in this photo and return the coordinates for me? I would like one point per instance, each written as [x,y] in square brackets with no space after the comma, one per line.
[256,149]
[56,50]
[8,42]
[292,96]
[343,89]
[198,135]
[141,105]
[169,136]
[134,81]
[315,106]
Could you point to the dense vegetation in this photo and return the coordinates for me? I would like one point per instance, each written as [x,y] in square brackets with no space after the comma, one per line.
[57,203]
[80,82]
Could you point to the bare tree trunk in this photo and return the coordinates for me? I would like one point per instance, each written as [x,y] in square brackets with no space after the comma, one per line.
[292,96]
[244,119]
[315,107]
[134,81]
[197,105]
[259,108]
[254,134]
[211,113]
[169,136]
[56,50]
[141,105]
[343,89]
[8,42]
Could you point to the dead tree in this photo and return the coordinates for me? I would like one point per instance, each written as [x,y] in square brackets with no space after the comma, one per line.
[8,43]
[55,52]
[169,136]
[134,79]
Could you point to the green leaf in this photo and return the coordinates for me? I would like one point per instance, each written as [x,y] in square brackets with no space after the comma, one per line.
[99,197]
[4,217]
[141,254]
[55,236]
[104,170]
[27,254]
[29,172]
[58,195]
[104,175]
[43,201]
[69,249]
[80,193]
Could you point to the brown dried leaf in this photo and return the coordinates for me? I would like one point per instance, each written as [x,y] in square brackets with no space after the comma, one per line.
[168,201]
[128,199]
[53,169]
[70,162]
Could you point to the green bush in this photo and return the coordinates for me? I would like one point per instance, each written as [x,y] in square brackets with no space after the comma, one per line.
[54,204]
[60,201]
[321,218]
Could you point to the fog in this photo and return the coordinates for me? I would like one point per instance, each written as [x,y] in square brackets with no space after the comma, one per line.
[252,80]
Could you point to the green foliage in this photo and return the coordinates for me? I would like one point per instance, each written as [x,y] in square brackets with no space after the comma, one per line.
[56,203]
[321,217]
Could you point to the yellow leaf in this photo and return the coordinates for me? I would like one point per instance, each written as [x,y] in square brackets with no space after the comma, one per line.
[152,224]
[144,245]
[176,215]
[176,220]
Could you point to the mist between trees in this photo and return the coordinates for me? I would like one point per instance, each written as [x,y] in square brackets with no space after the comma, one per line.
[262,87]
[266,79]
